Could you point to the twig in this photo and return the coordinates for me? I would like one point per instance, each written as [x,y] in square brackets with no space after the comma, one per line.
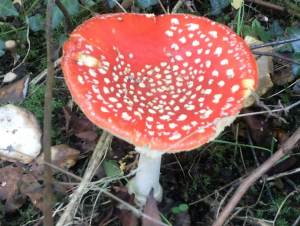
[282,204]
[255,175]
[297,221]
[276,55]
[68,23]
[122,202]
[93,165]
[42,74]
[268,5]
[274,43]
[177,6]
[48,195]
[287,173]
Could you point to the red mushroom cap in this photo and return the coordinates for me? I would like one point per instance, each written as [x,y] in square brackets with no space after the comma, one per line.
[169,83]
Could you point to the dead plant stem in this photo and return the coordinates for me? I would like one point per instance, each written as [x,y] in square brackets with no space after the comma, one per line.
[48,195]
[255,175]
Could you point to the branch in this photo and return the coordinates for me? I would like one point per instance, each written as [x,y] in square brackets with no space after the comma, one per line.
[255,175]
[280,42]
[276,55]
[48,195]
[93,165]
[68,23]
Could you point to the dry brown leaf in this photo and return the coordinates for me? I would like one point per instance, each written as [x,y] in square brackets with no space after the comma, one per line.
[33,189]
[62,156]
[265,69]
[14,92]
[152,211]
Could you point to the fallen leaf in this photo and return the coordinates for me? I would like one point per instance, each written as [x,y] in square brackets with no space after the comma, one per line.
[152,211]
[9,190]
[62,156]
[87,135]
[33,189]
[9,178]
[9,77]
[14,92]
[265,69]
[182,219]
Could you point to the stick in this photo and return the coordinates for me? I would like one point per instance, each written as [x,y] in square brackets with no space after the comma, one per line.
[93,165]
[268,5]
[48,194]
[274,43]
[255,175]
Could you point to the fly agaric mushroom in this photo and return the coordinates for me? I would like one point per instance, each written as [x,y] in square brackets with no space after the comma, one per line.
[166,83]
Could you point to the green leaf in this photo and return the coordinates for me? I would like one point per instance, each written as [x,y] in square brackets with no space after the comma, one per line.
[89,3]
[36,22]
[294,32]
[112,168]
[218,5]
[2,48]
[260,31]
[7,8]
[112,3]
[181,208]
[237,3]
[72,6]
[147,3]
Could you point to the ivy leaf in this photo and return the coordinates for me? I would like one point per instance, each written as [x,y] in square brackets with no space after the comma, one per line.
[2,47]
[147,3]
[294,32]
[7,9]
[218,5]
[36,22]
[111,168]
[260,31]
[72,6]
[112,3]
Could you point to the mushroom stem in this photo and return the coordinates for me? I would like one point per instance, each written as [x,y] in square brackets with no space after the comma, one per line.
[147,176]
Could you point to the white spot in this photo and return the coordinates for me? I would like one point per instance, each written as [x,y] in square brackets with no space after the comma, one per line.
[197,60]
[150,119]
[92,72]
[165,117]
[104,109]
[87,60]
[102,71]
[218,51]
[200,78]
[80,79]
[207,91]
[215,73]
[230,73]
[195,43]
[182,40]
[224,62]
[182,117]
[163,64]
[217,98]
[160,126]
[175,136]
[214,34]
[174,21]
[189,107]
[174,46]
[186,127]
[172,125]
[113,99]
[178,57]
[169,33]
[208,63]
[235,88]
[199,51]
[188,53]
[193,27]
[105,90]
[130,55]
[126,116]
[221,83]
